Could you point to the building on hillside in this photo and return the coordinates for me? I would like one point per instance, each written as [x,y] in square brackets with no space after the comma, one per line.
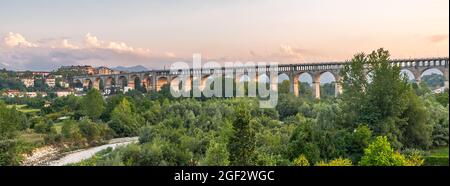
[104,70]
[79,89]
[51,82]
[32,74]
[31,94]
[13,93]
[42,94]
[47,104]
[41,73]
[64,93]
[86,69]
[64,84]
[28,82]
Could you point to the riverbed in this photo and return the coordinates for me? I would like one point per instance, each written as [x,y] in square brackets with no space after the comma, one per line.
[79,155]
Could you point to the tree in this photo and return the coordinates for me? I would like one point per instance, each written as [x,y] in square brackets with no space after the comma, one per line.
[327,90]
[442,98]
[284,87]
[92,105]
[153,114]
[416,132]
[288,105]
[242,143]
[9,81]
[123,121]
[305,90]
[216,154]
[359,140]
[385,97]
[354,84]
[9,145]
[375,93]
[302,141]
[111,103]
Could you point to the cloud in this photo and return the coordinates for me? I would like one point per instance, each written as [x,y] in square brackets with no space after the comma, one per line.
[51,53]
[17,40]
[93,42]
[65,44]
[170,54]
[288,51]
[287,54]
[17,53]
[438,38]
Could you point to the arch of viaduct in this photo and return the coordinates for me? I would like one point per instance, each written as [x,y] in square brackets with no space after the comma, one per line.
[155,79]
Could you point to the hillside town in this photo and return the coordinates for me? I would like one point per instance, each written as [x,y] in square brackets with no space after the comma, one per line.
[41,83]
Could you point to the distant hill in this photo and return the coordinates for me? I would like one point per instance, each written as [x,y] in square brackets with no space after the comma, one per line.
[137,68]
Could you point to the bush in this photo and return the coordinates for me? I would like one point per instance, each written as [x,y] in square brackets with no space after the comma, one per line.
[301,161]
[131,155]
[415,160]
[9,152]
[53,137]
[71,133]
[146,134]
[91,131]
[336,162]
[42,127]
[380,153]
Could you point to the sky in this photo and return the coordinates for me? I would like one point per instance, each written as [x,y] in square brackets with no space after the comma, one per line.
[45,34]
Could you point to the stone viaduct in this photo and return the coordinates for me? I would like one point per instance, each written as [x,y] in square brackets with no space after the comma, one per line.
[153,80]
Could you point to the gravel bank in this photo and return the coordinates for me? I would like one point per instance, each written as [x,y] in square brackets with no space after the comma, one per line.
[79,155]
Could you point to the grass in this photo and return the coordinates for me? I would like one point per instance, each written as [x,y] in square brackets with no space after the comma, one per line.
[24,109]
[438,157]
[442,151]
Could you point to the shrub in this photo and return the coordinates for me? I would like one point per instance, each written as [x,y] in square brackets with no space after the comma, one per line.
[42,127]
[336,162]
[380,153]
[53,136]
[301,161]
[90,130]
[71,133]
[414,157]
